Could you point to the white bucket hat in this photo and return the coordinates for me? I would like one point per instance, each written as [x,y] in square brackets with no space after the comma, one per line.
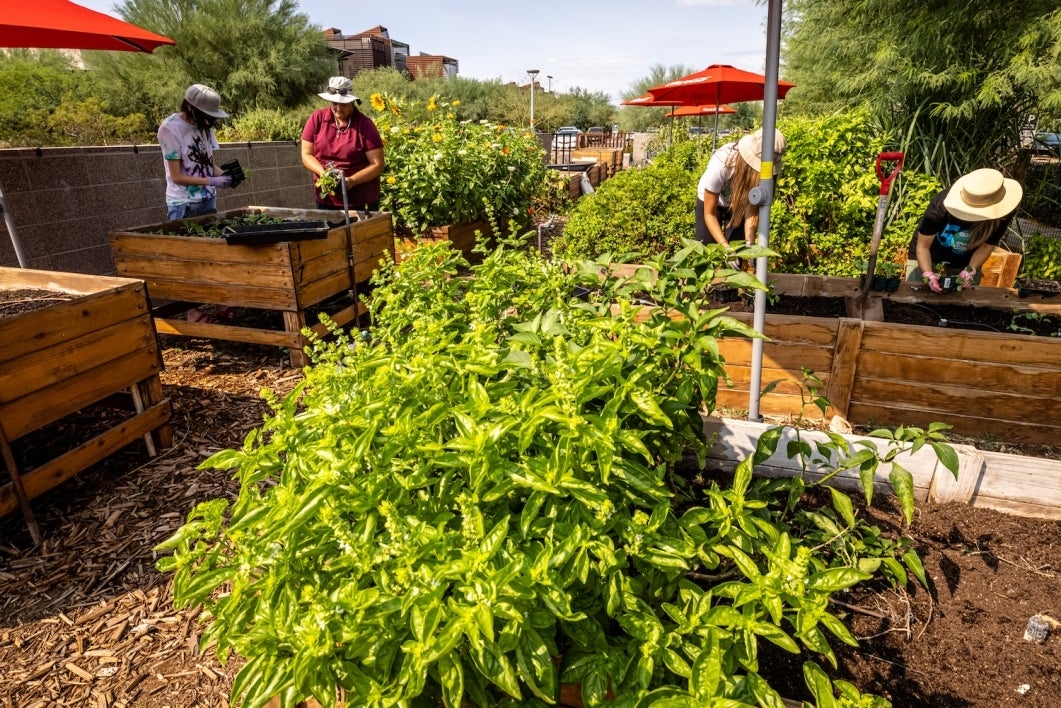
[205,99]
[983,194]
[750,148]
[340,90]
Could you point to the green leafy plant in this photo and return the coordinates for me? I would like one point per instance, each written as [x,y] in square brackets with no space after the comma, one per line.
[441,170]
[328,181]
[1042,258]
[486,499]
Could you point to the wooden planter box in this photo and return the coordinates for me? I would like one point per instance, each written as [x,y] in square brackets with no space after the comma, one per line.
[289,276]
[460,236]
[70,355]
[1001,385]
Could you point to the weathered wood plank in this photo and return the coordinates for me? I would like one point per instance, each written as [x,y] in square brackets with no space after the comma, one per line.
[51,366]
[233,333]
[967,422]
[845,366]
[988,376]
[33,331]
[964,400]
[778,355]
[959,344]
[65,466]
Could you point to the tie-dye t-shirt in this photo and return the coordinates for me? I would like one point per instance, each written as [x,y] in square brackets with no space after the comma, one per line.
[181,140]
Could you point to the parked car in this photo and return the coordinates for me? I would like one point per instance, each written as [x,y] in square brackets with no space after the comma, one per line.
[1047,144]
[595,135]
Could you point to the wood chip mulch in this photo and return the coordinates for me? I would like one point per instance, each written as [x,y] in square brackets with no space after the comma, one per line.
[86,619]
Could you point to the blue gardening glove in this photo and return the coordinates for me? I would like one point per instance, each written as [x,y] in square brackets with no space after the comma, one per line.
[933,282]
[222,181]
[966,276]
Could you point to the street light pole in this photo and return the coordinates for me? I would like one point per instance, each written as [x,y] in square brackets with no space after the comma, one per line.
[550,83]
[533,76]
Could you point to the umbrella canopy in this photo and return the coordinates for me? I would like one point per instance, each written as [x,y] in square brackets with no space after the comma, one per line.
[695,111]
[60,24]
[715,85]
[650,101]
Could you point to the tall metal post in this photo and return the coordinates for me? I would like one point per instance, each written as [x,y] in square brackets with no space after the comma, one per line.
[765,198]
[534,77]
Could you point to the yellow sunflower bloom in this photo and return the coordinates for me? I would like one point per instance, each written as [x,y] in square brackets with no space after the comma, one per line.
[377,102]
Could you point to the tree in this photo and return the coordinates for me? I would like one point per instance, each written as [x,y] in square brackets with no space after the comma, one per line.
[256,53]
[951,82]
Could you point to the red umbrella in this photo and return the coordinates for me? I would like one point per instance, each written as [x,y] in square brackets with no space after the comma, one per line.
[716,85]
[688,111]
[649,101]
[60,24]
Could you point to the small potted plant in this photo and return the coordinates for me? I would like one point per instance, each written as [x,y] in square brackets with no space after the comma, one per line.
[890,271]
[947,283]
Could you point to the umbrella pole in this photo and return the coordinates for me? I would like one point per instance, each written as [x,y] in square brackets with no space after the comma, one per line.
[766,198]
[9,221]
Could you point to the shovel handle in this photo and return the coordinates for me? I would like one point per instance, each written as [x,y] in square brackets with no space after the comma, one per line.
[886,179]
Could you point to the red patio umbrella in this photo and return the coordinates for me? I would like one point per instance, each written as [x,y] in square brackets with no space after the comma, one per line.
[716,85]
[691,111]
[61,24]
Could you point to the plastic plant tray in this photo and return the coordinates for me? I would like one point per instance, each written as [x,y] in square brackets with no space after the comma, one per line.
[275,233]
[1031,286]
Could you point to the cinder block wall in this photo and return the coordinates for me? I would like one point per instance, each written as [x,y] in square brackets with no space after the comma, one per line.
[64,201]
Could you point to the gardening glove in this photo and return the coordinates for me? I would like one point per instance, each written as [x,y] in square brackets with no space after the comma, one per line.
[967,276]
[933,282]
[222,181]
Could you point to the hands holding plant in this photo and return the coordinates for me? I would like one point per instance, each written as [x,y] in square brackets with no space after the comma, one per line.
[966,276]
[933,282]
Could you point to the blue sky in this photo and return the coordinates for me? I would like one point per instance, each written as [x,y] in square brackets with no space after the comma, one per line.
[598,46]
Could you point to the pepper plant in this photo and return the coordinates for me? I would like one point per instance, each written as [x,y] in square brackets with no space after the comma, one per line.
[485,499]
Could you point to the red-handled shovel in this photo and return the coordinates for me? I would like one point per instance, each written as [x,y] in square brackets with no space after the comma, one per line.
[895,159]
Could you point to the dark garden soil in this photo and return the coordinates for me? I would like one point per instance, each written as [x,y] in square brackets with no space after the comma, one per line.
[86,620]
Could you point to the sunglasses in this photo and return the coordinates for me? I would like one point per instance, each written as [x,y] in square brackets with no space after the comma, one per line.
[341,92]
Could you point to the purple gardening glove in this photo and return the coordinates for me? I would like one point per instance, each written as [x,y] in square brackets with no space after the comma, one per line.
[222,181]
[966,276]
[933,282]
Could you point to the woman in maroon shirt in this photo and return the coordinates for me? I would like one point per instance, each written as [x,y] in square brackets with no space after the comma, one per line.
[342,137]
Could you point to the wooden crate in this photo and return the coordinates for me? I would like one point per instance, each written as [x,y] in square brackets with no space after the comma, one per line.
[1000,269]
[66,357]
[460,236]
[288,277]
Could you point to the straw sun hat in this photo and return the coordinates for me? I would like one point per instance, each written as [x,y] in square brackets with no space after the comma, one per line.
[750,148]
[983,194]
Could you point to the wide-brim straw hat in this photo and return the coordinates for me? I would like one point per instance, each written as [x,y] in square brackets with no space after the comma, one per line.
[340,90]
[750,148]
[983,194]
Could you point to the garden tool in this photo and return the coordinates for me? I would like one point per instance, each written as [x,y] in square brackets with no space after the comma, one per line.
[896,160]
[349,246]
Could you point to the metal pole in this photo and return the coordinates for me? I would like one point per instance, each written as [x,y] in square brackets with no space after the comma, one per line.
[533,76]
[9,221]
[766,197]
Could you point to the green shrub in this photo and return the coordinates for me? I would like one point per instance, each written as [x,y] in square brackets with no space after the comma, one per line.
[262,124]
[482,501]
[647,210]
[1042,193]
[828,193]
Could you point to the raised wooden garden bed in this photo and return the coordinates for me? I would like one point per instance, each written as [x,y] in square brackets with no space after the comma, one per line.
[95,342]
[460,236]
[1002,385]
[286,276]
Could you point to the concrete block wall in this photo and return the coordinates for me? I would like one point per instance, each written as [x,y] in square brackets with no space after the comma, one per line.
[64,201]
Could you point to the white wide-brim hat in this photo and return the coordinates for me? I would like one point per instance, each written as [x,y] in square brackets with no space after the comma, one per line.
[750,148]
[340,90]
[983,194]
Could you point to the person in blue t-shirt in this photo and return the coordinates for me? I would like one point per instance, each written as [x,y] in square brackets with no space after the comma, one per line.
[961,226]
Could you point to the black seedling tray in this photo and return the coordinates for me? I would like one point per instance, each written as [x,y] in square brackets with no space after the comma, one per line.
[275,233]
[1030,286]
